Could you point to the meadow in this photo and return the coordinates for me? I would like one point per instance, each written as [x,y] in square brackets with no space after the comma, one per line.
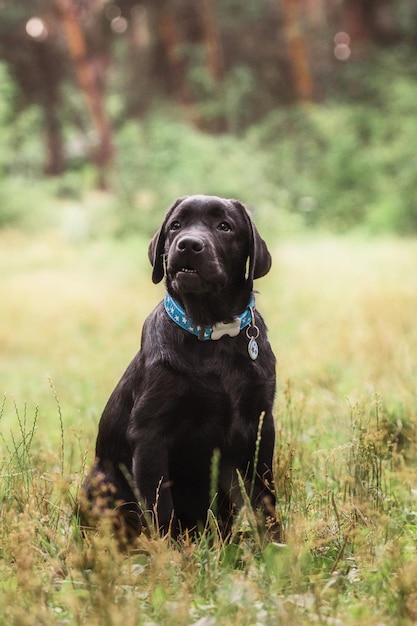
[341,312]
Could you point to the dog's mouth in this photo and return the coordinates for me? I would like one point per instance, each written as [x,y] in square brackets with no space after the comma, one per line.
[186,273]
[193,275]
[186,279]
[186,270]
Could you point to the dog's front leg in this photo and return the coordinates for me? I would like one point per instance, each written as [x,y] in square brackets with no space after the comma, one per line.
[150,473]
[152,426]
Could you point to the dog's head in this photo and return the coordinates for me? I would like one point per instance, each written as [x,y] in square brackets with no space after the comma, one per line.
[207,244]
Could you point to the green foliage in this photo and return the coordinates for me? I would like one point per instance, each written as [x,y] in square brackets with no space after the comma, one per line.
[164,158]
[23,204]
[347,166]
[227,105]
[7,96]
[21,150]
[336,166]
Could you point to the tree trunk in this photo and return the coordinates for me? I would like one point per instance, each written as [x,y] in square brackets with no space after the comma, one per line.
[55,163]
[103,154]
[298,50]
[50,100]
[172,41]
[215,60]
[371,20]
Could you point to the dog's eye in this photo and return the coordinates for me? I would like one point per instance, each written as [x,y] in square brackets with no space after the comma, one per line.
[224,226]
[175,225]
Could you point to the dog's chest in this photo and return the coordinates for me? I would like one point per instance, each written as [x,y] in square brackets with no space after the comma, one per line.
[211,408]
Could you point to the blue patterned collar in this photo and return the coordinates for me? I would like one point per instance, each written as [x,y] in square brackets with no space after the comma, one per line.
[205,333]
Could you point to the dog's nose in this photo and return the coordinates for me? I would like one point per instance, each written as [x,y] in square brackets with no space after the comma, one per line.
[190,243]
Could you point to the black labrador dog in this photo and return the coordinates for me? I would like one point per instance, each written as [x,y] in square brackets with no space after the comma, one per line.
[189,427]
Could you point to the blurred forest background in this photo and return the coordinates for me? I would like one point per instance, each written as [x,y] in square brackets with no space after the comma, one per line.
[305,109]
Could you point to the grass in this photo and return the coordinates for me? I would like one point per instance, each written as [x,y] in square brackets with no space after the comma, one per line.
[341,314]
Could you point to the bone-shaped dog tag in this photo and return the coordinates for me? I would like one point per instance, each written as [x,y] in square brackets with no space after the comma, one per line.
[221,328]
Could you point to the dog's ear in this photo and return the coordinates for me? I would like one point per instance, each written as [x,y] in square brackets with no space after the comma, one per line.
[259,256]
[157,246]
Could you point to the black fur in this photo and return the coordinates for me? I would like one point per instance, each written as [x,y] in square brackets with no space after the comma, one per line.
[181,399]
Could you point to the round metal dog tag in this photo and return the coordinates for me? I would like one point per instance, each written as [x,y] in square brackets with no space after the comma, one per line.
[253,349]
